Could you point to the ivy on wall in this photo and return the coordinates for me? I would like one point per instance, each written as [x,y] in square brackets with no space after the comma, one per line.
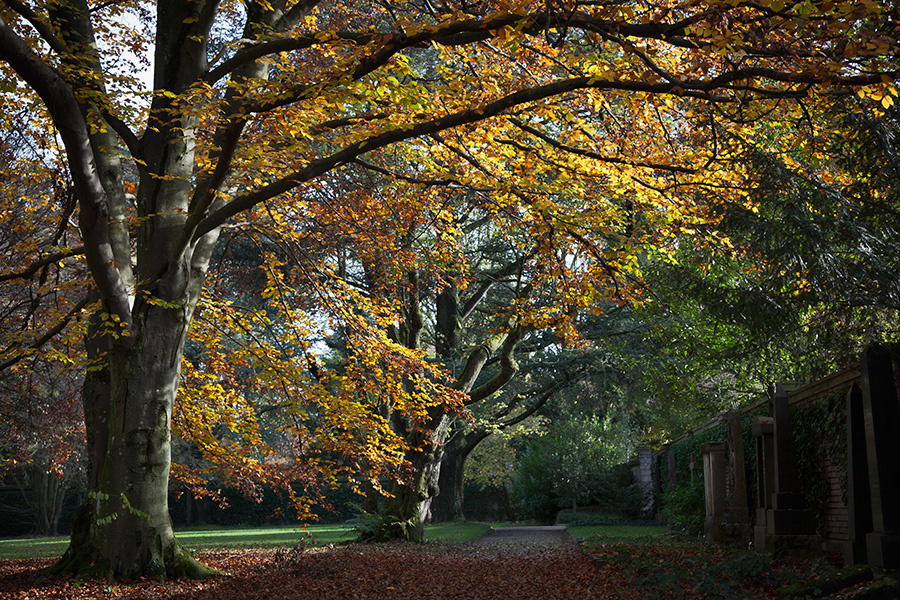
[819,429]
[683,505]
[820,438]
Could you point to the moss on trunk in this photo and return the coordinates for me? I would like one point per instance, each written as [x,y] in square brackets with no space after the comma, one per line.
[91,549]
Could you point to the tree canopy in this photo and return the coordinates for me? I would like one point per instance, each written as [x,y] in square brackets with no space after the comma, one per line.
[582,132]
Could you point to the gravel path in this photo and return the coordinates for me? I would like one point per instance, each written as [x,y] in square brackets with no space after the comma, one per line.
[546,535]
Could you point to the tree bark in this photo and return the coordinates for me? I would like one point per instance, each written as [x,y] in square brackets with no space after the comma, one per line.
[449,505]
[408,509]
[124,529]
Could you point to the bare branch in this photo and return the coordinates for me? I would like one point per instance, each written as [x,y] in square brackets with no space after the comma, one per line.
[401,176]
[594,155]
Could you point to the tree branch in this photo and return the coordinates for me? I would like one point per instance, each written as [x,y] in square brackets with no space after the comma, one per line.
[33,268]
[488,281]
[508,367]
[69,121]
[476,361]
[424,182]
[594,155]
[51,333]
[45,32]
[317,167]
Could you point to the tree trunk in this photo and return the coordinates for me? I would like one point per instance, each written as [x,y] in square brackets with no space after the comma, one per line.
[409,507]
[124,529]
[505,501]
[48,492]
[450,504]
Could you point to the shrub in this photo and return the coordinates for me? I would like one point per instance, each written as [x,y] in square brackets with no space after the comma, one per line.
[533,487]
[618,493]
[684,507]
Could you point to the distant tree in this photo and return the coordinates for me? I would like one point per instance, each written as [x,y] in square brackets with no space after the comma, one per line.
[554,380]
[41,423]
[574,454]
[43,438]
[492,466]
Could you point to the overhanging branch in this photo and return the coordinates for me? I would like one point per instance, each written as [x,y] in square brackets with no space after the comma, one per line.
[465,117]
[30,271]
[49,335]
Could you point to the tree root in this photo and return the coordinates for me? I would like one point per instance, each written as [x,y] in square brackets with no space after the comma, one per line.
[87,557]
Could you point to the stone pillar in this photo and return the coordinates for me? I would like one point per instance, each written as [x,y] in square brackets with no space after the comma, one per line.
[859,497]
[791,526]
[714,487]
[764,433]
[881,409]
[645,465]
[736,529]
[736,510]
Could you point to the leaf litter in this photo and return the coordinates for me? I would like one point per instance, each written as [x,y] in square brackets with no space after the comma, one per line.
[389,571]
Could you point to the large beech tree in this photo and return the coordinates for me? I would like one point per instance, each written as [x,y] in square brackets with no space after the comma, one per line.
[581,123]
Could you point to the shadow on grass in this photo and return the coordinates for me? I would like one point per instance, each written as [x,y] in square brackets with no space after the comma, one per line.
[209,538]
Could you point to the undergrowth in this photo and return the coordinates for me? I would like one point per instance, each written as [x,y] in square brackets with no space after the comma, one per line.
[678,568]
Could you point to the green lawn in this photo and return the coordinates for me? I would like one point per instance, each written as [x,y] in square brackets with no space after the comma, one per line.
[273,537]
[30,547]
[264,537]
[457,532]
[251,537]
[199,539]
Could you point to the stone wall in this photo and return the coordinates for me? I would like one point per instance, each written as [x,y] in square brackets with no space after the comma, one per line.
[808,509]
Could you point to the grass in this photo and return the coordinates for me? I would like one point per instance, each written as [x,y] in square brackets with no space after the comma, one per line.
[454,533]
[263,537]
[616,532]
[198,539]
[252,537]
[32,547]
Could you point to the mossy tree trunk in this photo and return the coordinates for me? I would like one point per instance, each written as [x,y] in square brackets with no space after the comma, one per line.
[450,504]
[124,529]
[408,509]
